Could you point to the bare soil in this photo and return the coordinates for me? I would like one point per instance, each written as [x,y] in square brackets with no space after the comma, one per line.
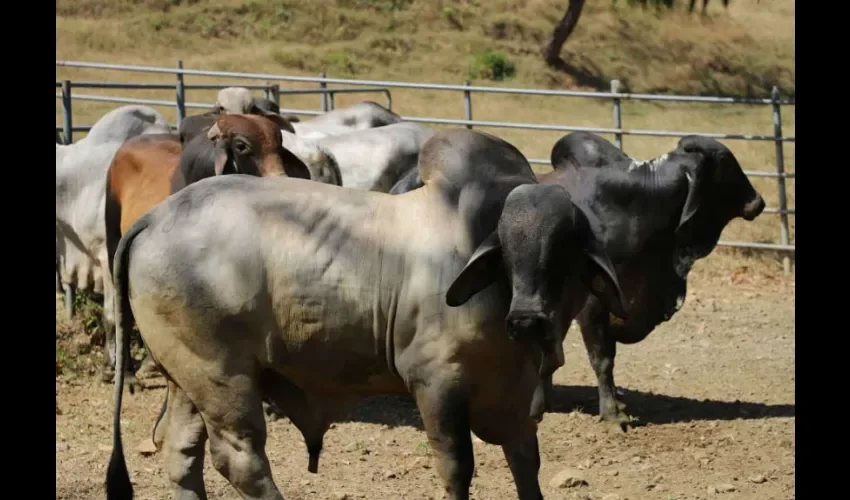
[714,389]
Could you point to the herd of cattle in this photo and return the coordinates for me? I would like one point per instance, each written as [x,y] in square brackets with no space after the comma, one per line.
[359,254]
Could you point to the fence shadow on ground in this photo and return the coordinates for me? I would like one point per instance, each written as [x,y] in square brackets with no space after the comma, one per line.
[649,408]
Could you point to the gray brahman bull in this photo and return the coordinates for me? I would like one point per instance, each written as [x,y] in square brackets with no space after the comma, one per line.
[372,159]
[80,193]
[315,295]
[656,218]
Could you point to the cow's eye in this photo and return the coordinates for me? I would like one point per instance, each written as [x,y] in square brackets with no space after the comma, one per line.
[241,147]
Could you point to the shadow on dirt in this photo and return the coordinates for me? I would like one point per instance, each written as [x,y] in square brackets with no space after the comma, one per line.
[653,408]
[649,408]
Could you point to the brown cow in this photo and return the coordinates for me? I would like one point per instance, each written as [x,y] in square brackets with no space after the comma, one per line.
[232,100]
[147,169]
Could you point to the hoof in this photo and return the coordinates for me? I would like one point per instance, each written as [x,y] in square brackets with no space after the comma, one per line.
[107,376]
[272,414]
[148,370]
[619,422]
[132,383]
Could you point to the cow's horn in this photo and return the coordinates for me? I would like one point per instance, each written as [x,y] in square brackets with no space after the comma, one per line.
[214,132]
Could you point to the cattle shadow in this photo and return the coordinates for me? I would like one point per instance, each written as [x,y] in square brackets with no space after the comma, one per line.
[389,410]
[652,408]
[647,407]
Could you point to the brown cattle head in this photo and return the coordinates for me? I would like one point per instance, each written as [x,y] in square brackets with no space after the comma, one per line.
[251,145]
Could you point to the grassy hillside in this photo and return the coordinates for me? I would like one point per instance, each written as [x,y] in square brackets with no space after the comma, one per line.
[743,51]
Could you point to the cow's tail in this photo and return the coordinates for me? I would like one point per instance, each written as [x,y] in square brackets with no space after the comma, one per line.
[118,486]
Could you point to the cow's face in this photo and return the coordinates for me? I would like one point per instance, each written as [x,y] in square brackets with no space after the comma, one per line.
[251,145]
[545,247]
[719,191]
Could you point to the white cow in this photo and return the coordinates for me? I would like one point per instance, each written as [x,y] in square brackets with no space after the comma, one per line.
[371,159]
[361,116]
[80,194]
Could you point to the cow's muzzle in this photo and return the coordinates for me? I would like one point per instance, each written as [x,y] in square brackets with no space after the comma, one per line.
[531,326]
[753,208]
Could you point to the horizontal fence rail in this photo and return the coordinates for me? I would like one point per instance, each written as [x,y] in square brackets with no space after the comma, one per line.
[273,92]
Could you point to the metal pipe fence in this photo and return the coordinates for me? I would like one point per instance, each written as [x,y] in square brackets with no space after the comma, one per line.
[326,94]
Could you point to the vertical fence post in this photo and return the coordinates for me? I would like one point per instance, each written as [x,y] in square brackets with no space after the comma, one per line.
[618,116]
[66,111]
[331,101]
[267,92]
[181,94]
[784,234]
[467,106]
[275,91]
[324,95]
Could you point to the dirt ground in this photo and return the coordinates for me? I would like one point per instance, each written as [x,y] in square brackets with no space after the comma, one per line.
[714,388]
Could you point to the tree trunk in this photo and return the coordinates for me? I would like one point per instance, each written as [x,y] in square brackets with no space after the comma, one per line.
[562,31]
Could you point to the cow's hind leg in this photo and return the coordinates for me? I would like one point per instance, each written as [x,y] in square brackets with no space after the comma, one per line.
[183,446]
[161,425]
[445,416]
[233,413]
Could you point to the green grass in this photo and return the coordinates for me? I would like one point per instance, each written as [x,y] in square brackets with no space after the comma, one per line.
[743,51]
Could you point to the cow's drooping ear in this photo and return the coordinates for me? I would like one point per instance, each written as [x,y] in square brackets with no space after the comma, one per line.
[696,170]
[479,272]
[214,132]
[222,156]
[600,277]
[280,121]
[692,202]
[293,165]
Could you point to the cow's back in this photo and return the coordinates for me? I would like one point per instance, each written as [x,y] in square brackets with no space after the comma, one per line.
[140,174]
[302,267]
[125,122]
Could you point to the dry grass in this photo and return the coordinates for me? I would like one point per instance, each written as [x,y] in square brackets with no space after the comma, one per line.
[743,51]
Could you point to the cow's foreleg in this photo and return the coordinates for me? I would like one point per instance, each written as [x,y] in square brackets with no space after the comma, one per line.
[601,350]
[497,418]
[445,416]
[523,456]
[108,371]
[148,368]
